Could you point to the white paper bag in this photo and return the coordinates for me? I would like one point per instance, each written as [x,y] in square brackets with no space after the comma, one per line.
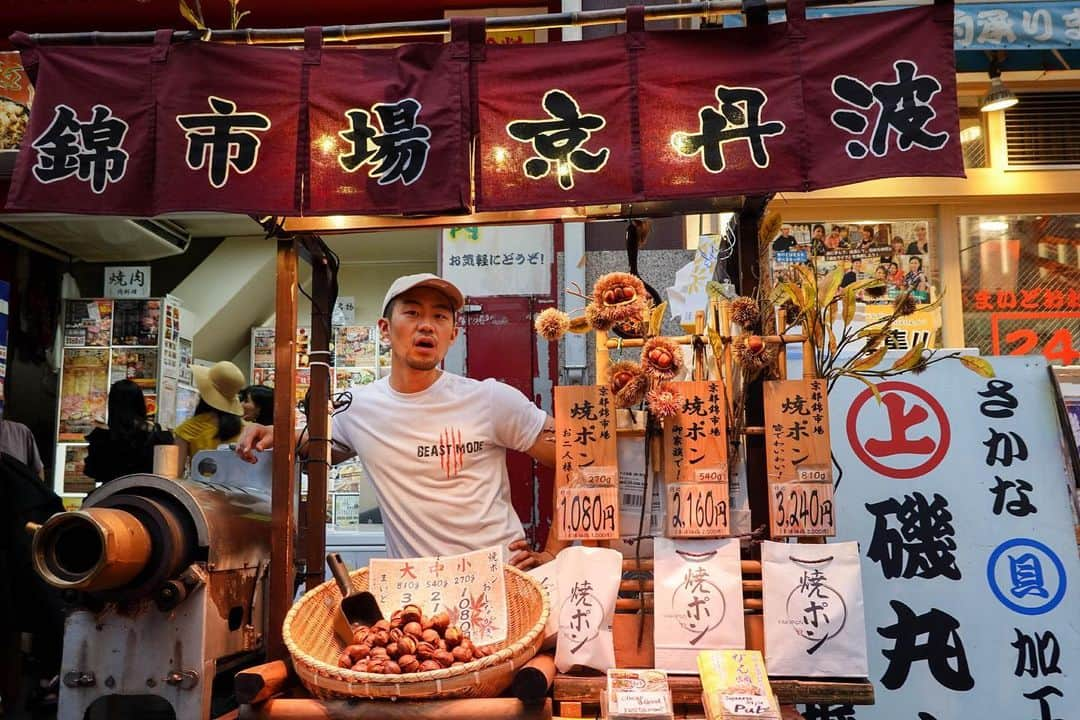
[813,610]
[547,576]
[588,586]
[698,601]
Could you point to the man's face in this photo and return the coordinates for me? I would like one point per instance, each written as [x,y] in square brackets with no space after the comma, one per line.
[421,328]
[785,230]
[920,233]
[819,233]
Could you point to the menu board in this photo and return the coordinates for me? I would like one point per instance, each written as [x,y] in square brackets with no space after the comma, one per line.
[354,346]
[136,322]
[74,464]
[587,472]
[88,323]
[140,365]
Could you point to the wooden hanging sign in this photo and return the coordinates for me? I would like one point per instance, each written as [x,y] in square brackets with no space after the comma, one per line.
[695,439]
[587,473]
[798,459]
[696,463]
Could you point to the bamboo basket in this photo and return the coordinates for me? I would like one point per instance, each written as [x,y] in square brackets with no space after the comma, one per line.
[314,647]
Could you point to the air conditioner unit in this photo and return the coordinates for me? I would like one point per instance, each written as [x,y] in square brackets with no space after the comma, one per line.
[102,239]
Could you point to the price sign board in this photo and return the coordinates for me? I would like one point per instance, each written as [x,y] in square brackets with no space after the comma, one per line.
[796,428]
[697,509]
[588,513]
[801,509]
[799,463]
[469,587]
[696,437]
[587,504]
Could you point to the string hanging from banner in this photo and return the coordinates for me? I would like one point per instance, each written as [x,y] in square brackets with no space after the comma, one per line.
[418,28]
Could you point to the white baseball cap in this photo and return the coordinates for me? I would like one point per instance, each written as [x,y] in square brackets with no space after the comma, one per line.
[408,282]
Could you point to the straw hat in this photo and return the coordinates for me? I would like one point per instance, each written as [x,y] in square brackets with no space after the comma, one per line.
[220,385]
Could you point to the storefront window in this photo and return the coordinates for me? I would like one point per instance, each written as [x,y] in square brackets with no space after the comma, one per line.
[1021,285]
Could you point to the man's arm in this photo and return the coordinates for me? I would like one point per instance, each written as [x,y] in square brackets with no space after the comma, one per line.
[261,437]
[543,449]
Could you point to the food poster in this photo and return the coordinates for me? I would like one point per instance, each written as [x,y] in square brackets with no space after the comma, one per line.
[303,347]
[88,323]
[346,510]
[139,365]
[136,322]
[898,253]
[470,587]
[352,377]
[16,96]
[354,346]
[262,376]
[75,482]
[170,346]
[84,391]
[262,347]
[186,356]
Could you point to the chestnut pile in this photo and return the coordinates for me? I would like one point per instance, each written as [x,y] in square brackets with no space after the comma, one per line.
[408,643]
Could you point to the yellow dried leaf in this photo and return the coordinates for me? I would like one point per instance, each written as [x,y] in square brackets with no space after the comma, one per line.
[657,319]
[870,361]
[977,365]
[831,286]
[911,358]
[190,16]
[849,305]
[867,383]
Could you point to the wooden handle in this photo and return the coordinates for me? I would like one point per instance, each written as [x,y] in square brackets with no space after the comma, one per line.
[255,684]
[466,709]
[532,681]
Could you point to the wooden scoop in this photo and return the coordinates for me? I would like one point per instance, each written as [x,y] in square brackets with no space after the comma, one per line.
[361,607]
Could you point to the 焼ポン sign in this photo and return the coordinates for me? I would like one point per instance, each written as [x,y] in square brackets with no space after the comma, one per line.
[586,469]
[696,462]
[956,488]
[798,461]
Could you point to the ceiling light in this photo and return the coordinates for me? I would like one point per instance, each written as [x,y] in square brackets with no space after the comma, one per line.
[999,97]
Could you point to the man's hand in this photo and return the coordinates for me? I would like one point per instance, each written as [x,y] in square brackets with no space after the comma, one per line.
[523,558]
[254,437]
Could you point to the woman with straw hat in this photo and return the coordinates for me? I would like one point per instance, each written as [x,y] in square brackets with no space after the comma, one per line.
[218,417]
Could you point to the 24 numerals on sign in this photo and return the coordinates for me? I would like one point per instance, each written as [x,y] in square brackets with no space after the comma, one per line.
[802,509]
[1059,347]
[697,509]
[588,513]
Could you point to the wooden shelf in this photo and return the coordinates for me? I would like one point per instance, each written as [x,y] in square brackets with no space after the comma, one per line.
[686,690]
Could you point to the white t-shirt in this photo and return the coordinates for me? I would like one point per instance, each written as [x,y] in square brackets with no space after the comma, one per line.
[437,460]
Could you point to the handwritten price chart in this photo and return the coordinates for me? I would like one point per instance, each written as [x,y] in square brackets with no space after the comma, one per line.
[587,472]
[470,587]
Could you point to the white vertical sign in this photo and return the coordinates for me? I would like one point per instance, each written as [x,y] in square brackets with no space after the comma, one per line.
[956,488]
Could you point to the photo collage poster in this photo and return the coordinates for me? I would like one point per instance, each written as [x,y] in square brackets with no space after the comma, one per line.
[899,253]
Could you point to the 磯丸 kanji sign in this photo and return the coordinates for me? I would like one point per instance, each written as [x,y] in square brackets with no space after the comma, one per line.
[957,491]
[798,105]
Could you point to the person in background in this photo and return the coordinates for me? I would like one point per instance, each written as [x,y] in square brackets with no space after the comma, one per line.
[17,441]
[126,445]
[896,276]
[218,417]
[258,404]
[851,273]
[916,278]
[785,241]
[920,245]
[817,239]
[867,240]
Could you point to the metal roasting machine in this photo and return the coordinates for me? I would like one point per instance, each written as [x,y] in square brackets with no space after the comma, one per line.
[168,581]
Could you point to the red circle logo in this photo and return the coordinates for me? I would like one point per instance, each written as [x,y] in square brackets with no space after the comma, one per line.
[901,420]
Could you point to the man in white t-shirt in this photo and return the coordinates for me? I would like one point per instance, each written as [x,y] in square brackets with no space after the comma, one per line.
[434,443]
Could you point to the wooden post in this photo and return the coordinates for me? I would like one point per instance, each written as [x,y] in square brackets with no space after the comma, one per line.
[283,495]
[603,357]
[255,684]
[318,419]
